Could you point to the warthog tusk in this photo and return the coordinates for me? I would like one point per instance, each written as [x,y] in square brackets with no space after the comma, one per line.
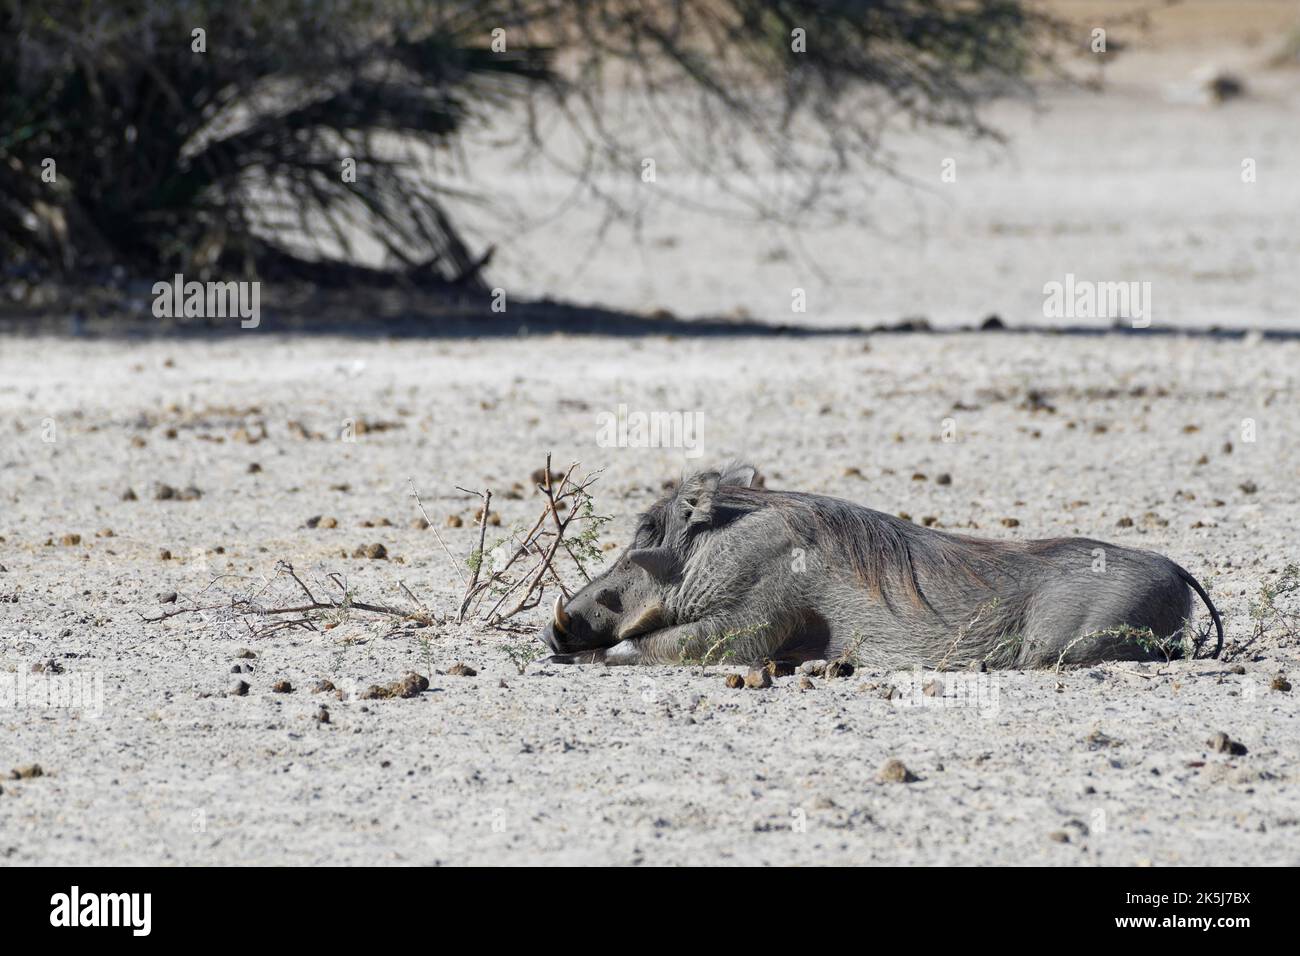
[561,619]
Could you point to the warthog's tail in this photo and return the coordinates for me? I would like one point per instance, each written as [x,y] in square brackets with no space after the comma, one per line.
[1214,613]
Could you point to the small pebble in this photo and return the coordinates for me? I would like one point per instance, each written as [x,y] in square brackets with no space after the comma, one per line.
[238,688]
[282,687]
[461,670]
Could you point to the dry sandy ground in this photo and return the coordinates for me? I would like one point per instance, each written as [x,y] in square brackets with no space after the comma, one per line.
[625,765]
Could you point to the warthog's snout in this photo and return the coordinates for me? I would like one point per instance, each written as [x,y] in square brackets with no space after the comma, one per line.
[556,633]
[565,633]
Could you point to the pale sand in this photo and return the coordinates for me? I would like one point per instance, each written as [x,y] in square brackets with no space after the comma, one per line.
[653,765]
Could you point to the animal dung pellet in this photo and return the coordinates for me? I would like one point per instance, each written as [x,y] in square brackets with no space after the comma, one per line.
[758,679]
[409,685]
[282,687]
[735,681]
[839,668]
[894,770]
[1222,743]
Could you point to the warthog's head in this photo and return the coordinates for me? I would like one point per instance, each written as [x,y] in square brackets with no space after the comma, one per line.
[651,586]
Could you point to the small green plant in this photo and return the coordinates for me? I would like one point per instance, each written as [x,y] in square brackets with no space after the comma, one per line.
[585,548]
[522,654]
[721,650]
[1264,609]
[984,610]
[1146,639]
[1269,618]
[1010,643]
[850,653]
[338,614]
[426,651]
[1143,637]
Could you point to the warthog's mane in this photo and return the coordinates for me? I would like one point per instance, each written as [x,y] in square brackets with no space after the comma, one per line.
[892,557]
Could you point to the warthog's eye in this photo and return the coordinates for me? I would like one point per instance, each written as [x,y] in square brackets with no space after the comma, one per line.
[611,600]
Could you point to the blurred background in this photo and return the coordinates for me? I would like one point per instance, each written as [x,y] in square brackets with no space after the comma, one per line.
[893,160]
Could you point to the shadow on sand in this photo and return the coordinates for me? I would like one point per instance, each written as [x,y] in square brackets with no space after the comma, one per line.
[398,314]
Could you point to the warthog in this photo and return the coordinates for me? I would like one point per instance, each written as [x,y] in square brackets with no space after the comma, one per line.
[721,570]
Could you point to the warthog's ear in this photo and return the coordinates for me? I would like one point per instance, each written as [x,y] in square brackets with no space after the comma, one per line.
[660,563]
[744,476]
[696,497]
[698,492]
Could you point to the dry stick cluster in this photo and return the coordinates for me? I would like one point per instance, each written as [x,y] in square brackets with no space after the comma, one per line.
[261,620]
[516,579]
[517,576]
